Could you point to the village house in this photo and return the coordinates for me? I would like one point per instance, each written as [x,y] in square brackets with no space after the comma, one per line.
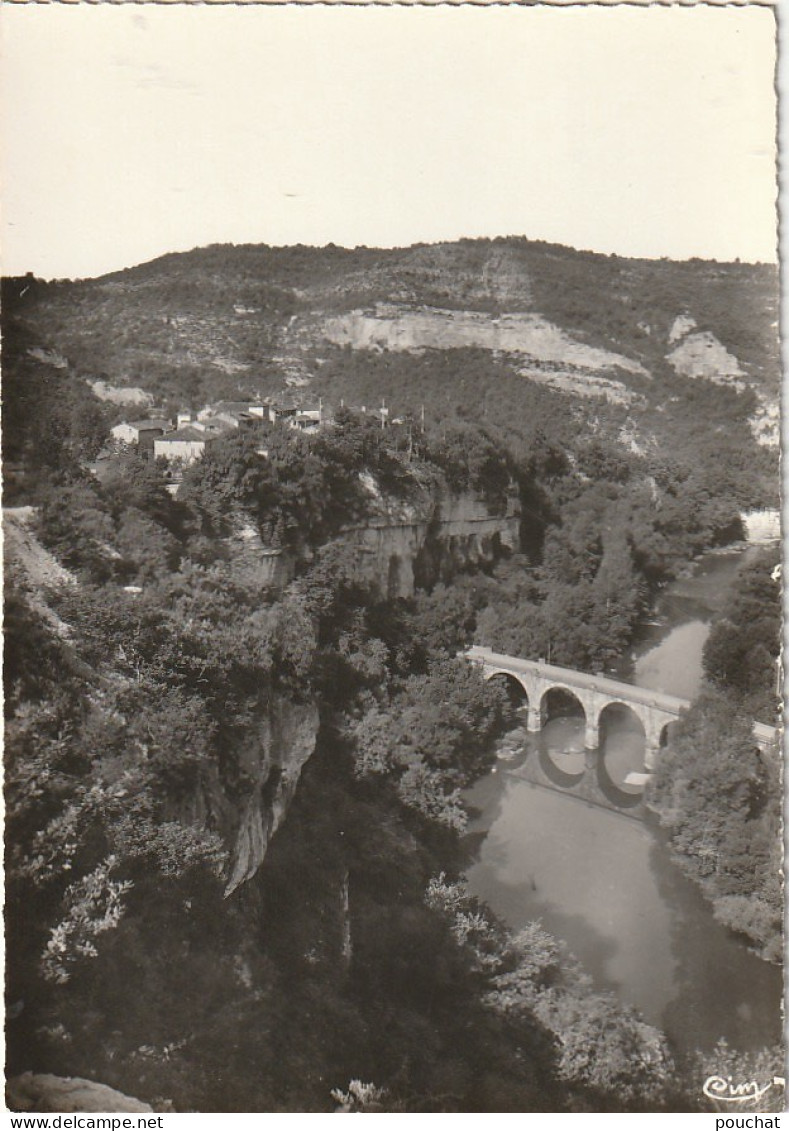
[140,432]
[231,414]
[282,413]
[307,419]
[185,445]
[296,416]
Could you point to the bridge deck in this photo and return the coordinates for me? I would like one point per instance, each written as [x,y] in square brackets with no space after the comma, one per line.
[617,689]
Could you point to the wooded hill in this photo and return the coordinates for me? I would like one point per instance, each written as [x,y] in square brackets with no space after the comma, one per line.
[224,310]
[528,337]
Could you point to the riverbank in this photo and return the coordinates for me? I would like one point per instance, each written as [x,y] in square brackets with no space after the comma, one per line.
[619,898]
[605,884]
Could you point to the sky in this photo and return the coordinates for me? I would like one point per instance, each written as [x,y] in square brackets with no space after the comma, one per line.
[130,131]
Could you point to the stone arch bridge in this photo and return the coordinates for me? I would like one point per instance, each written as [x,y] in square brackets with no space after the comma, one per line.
[655,710]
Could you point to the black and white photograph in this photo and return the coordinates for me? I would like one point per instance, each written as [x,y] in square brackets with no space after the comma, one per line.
[392,559]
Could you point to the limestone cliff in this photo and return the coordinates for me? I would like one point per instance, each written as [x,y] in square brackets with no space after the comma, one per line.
[247,806]
[271,763]
[412,547]
[395,327]
[700,354]
[400,546]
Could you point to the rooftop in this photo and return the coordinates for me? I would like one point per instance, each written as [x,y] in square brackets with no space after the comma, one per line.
[153,422]
[231,406]
[186,433]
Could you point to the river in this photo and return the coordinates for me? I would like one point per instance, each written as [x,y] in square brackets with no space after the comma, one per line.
[603,880]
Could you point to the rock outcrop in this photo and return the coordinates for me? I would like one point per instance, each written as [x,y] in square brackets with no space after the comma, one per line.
[416,547]
[272,762]
[682,325]
[46,1093]
[393,327]
[700,354]
[761,526]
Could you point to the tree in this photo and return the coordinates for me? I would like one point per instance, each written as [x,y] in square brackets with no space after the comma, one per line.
[74,523]
[451,717]
[718,796]
[149,549]
[742,649]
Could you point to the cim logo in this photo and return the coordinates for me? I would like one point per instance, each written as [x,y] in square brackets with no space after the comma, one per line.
[725,1091]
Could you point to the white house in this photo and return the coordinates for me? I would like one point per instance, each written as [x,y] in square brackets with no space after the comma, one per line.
[307,419]
[185,444]
[296,416]
[132,431]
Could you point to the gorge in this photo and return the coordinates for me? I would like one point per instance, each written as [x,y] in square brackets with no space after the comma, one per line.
[242,738]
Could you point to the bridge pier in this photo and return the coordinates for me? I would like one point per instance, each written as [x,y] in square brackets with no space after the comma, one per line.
[591,737]
[534,721]
[652,744]
[651,753]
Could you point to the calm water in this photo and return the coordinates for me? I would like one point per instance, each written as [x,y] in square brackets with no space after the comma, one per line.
[668,657]
[603,881]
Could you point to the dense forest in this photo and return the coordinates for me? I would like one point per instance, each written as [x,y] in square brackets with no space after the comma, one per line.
[154,689]
[120,717]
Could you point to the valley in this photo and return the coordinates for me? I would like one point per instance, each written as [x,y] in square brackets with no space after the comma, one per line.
[243,737]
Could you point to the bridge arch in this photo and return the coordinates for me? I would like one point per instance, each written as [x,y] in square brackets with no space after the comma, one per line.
[558,696]
[562,768]
[516,690]
[627,712]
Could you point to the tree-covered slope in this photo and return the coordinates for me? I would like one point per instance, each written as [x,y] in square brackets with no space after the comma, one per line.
[141,730]
[230,307]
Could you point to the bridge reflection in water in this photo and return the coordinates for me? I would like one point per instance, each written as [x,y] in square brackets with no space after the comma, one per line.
[556,759]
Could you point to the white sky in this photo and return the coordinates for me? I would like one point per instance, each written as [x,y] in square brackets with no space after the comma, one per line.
[131,131]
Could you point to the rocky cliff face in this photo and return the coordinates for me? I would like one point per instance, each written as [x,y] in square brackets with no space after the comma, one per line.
[274,761]
[700,354]
[418,547]
[270,762]
[255,563]
[394,327]
[401,546]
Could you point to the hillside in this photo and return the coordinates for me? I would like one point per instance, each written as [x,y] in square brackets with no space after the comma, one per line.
[676,363]
[244,317]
